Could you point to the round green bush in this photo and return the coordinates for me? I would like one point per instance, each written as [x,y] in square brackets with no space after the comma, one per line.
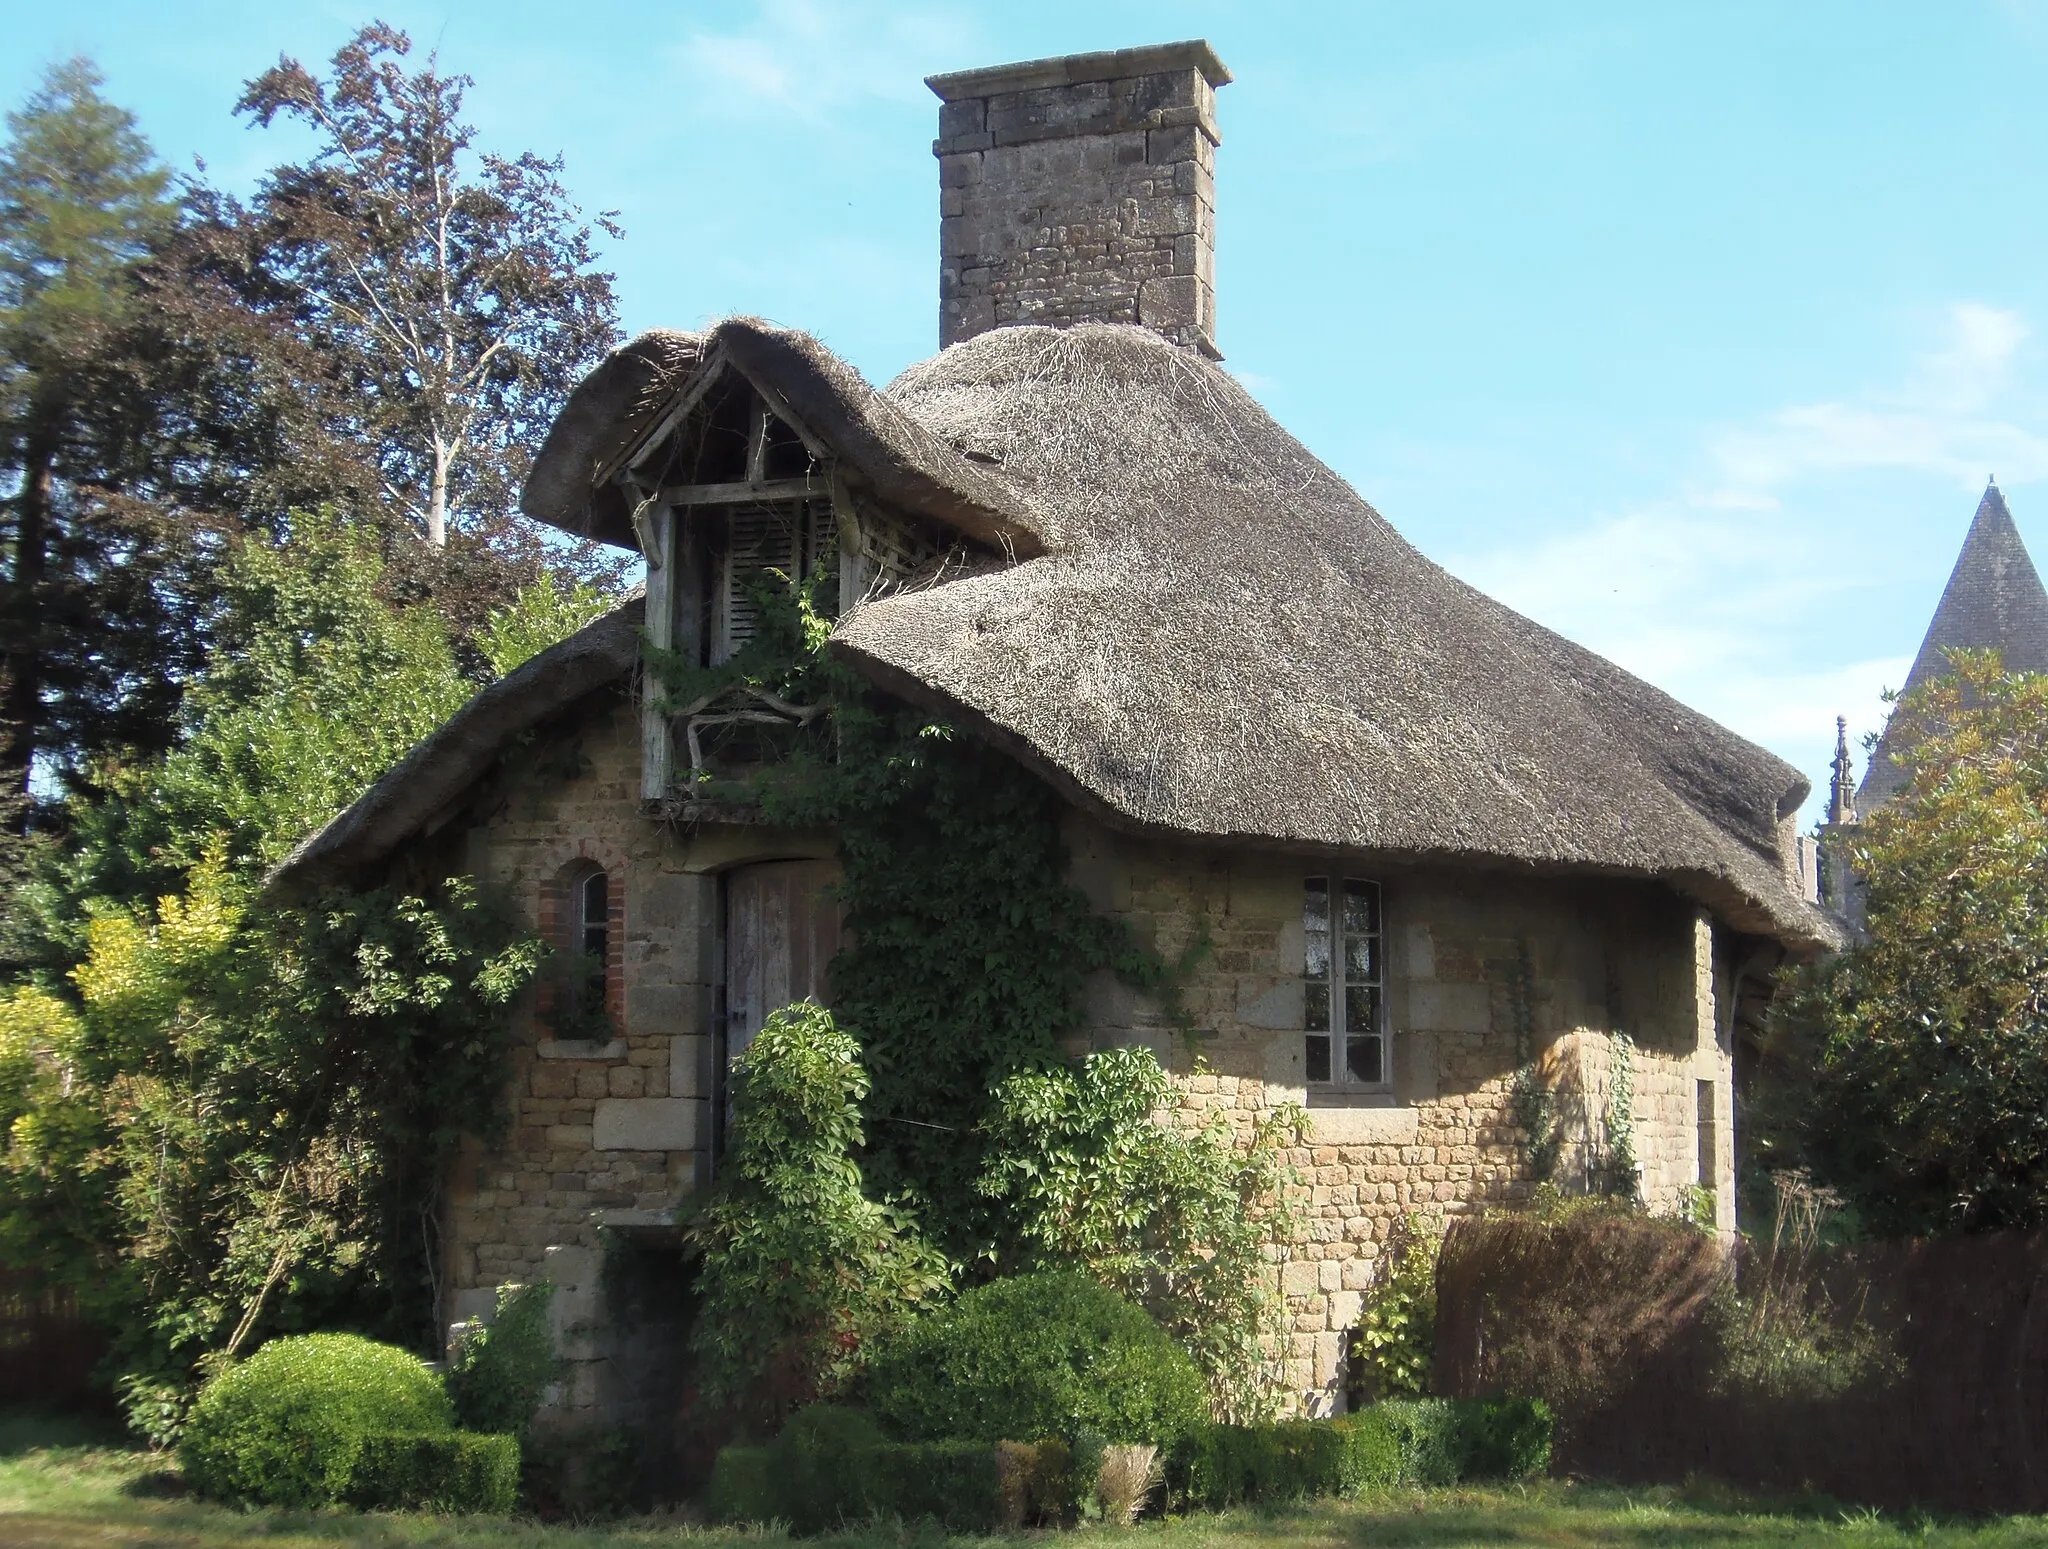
[283,1428]
[1048,1354]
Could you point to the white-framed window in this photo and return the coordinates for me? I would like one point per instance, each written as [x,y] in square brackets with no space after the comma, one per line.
[1343,992]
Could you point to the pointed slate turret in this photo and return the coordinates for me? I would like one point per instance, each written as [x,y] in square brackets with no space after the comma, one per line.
[1994,601]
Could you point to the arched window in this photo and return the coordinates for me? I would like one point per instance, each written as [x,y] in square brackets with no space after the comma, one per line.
[590,937]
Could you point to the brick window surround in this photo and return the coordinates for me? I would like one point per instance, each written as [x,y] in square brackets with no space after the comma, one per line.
[561,922]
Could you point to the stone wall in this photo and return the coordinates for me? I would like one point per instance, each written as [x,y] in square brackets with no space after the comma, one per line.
[1470,956]
[1081,190]
[615,1133]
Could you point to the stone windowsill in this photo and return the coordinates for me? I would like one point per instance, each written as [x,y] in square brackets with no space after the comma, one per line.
[580,1049]
[1356,1123]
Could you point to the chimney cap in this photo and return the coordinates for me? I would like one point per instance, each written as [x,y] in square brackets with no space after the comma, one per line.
[1072,69]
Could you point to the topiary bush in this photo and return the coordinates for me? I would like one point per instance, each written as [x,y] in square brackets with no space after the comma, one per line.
[284,1428]
[1049,1354]
[435,1471]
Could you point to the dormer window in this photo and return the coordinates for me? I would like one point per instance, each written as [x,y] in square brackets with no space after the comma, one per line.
[725,487]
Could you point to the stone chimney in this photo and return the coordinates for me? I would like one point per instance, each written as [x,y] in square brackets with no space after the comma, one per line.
[1081,190]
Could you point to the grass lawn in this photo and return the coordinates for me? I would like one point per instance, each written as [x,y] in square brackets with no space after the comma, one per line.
[61,1487]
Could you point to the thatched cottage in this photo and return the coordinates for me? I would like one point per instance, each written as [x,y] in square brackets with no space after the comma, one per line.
[1432,844]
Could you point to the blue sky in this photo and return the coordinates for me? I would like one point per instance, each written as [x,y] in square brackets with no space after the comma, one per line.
[1692,331]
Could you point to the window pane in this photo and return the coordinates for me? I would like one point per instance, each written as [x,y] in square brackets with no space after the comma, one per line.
[1319,1057]
[1361,908]
[1315,903]
[1316,957]
[1361,1008]
[1362,958]
[1362,1062]
[1315,1007]
[1315,925]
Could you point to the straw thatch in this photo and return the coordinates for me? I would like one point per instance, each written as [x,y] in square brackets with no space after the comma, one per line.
[869,437]
[1217,638]
[1224,640]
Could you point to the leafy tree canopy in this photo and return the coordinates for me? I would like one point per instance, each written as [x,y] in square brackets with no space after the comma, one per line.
[457,291]
[1922,1052]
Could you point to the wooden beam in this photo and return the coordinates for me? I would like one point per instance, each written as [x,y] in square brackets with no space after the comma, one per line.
[691,393]
[745,493]
[657,738]
[757,444]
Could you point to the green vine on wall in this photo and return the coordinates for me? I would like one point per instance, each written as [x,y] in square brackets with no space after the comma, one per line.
[970,948]
[1622,1170]
[1533,1103]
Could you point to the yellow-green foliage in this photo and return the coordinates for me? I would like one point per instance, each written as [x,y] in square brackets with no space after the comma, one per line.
[1395,1341]
[322,686]
[551,609]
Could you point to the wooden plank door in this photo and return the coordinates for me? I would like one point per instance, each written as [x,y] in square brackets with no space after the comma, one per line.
[781,931]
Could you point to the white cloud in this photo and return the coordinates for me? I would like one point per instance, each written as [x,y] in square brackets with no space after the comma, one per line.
[1721,592]
[1943,417]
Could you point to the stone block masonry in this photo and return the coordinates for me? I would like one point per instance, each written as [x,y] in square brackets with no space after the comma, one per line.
[1081,189]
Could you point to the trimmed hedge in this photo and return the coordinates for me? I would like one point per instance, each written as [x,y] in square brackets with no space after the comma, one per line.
[447,1471]
[1046,1354]
[1229,1465]
[831,1465]
[284,1427]
[1424,1441]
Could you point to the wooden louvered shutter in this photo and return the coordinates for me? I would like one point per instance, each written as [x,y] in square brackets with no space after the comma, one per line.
[787,536]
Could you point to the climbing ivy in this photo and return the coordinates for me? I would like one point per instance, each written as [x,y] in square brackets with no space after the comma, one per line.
[970,949]
[1533,1103]
[1621,1117]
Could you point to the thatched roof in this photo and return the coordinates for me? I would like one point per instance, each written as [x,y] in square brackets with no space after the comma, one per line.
[1217,637]
[1994,601]
[870,439]
[435,775]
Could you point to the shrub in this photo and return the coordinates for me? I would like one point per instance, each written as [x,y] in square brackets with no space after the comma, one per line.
[1228,1465]
[823,1466]
[498,1371]
[1178,1218]
[957,1483]
[1428,1434]
[1505,1438]
[830,1465]
[1444,1440]
[801,1268]
[1395,1343]
[1048,1354]
[741,1488]
[1042,1481]
[444,1471]
[285,1426]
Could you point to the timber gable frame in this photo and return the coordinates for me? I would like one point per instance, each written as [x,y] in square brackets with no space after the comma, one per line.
[758,489]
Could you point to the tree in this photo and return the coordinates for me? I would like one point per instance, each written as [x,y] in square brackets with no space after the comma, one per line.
[1918,1059]
[82,200]
[462,308]
[319,686]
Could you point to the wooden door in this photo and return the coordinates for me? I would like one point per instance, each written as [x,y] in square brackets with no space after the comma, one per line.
[781,931]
